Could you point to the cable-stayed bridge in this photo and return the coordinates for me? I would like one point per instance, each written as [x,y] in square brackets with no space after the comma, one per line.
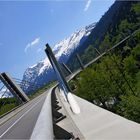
[58,114]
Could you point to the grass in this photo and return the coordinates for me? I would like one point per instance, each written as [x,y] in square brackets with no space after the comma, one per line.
[7,108]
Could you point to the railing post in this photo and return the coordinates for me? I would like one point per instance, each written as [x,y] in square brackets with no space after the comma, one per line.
[56,67]
[66,67]
[80,61]
[74,106]
[97,51]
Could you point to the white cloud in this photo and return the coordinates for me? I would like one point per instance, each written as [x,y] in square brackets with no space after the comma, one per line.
[87,5]
[27,47]
[32,44]
[36,41]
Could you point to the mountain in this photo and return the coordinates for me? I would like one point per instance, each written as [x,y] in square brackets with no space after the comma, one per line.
[4,93]
[121,19]
[115,77]
[42,72]
[121,13]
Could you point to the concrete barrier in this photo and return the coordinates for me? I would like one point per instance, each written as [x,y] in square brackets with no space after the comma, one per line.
[43,129]
[99,124]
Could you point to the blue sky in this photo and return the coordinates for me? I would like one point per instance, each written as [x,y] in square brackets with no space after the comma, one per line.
[26,26]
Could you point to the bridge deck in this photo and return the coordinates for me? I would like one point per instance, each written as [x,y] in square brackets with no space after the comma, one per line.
[96,123]
[68,123]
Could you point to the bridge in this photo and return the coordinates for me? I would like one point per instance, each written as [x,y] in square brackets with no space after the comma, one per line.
[59,114]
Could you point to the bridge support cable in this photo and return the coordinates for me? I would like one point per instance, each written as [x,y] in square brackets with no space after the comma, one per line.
[13,87]
[80,61]
[62,81]
[24,83]
[4,93]
[98,52]
[66,67]
[1,87]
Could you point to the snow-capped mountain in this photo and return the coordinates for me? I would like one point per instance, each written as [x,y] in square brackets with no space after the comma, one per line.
[42,72]
[5,93]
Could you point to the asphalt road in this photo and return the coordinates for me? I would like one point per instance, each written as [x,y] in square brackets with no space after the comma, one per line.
[22,124]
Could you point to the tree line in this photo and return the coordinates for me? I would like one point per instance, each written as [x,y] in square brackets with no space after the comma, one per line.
[113,82]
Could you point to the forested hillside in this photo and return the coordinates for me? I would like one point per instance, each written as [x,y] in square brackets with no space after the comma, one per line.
[113,82]
[120,20]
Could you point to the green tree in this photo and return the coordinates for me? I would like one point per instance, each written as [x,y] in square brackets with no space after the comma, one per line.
[136,9]
[106,44]
[102,85]
[130,66]
[89,54]
[130,108]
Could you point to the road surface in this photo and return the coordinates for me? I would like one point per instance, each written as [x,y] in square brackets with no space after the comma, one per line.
[22,124]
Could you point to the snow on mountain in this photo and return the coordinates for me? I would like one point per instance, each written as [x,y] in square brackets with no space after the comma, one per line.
[42,72]
[5,93]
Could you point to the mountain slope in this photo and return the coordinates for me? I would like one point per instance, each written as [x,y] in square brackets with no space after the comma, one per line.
[121,19]
[117,15]
[4,93]
[115,78]
[42,72]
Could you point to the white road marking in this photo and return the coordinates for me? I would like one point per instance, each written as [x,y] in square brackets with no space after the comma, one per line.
[18,120]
